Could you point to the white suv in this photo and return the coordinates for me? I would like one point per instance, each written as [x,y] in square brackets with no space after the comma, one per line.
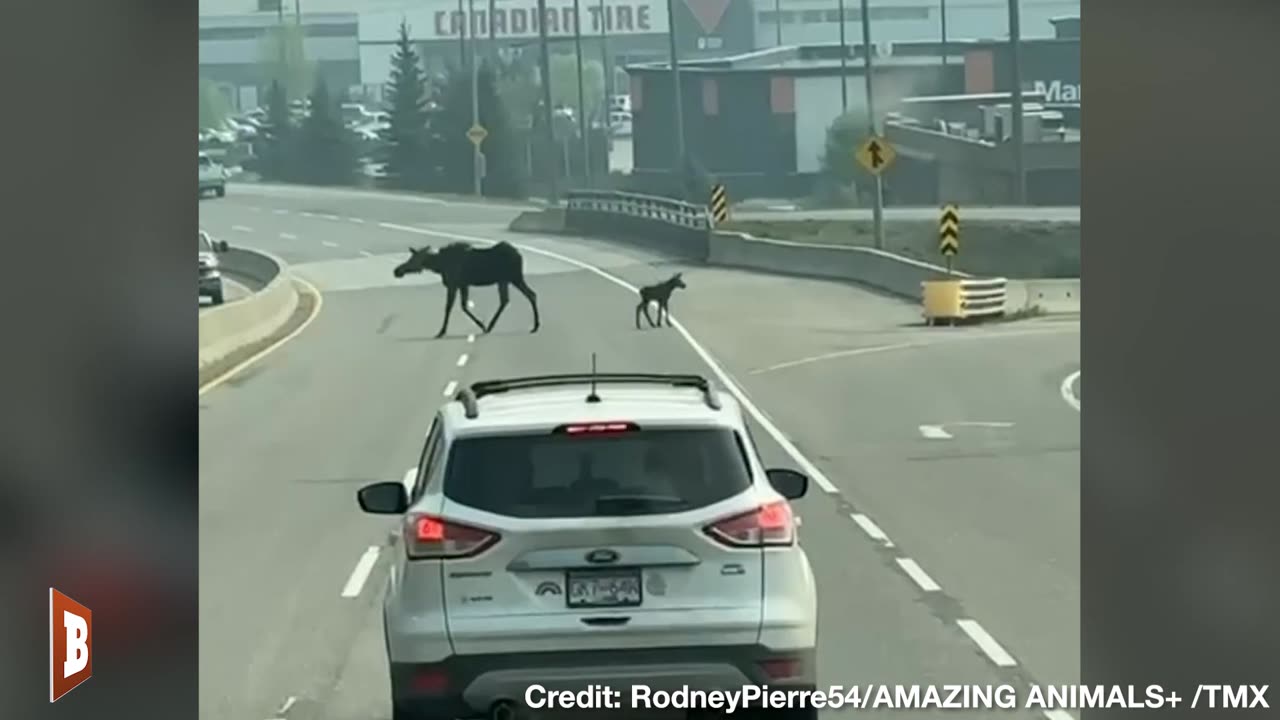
[573,530]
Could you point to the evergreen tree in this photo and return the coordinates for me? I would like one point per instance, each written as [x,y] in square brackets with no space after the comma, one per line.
[406,142]
[326,148]
[453,150]
[276,147]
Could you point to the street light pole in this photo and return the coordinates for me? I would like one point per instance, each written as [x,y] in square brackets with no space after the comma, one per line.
[584,124]
[464,22]
[844,61]
[607,88]
[477,158]
[545,71]
[1019,140]
[676,91]
[878,209]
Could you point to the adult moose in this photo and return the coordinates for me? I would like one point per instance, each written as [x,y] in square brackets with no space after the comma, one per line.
[461,267]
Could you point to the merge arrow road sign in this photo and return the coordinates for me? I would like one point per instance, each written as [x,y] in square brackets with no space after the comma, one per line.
[477,134]
[876,154]
[949,230]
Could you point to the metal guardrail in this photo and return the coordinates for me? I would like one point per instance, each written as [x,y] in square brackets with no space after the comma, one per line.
[647,207]
[955,299]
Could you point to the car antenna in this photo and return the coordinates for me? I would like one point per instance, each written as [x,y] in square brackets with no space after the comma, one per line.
[593,397]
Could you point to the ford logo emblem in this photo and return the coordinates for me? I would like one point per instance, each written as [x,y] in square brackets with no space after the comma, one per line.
[602,557]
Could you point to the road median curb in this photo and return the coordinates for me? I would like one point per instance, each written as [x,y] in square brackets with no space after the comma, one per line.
[249,320]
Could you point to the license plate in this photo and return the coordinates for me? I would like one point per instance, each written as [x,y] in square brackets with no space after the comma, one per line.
[603,588]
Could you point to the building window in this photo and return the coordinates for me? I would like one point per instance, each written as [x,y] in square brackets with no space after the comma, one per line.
[810,17]
[269,5]
[250,33]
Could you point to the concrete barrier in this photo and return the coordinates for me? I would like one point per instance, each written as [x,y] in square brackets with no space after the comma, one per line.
[878,269]
[1053,296]
[233,325]
[550,220]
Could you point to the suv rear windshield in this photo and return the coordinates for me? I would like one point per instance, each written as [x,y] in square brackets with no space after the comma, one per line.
[643,472]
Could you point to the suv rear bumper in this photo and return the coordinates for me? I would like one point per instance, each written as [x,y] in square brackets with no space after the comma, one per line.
[464,686]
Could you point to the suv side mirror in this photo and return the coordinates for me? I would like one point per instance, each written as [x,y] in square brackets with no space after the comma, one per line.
[221,246]
[384,498]
[789,483]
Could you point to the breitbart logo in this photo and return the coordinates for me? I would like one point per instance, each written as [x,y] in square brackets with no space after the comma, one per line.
[70,659]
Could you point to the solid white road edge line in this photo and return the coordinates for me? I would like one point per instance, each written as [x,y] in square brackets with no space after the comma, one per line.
[360,574]
[1067,393]
[916,573]
[787,446]
[987,643]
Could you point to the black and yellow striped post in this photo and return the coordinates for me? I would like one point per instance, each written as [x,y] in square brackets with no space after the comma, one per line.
[949,232]
[719,204]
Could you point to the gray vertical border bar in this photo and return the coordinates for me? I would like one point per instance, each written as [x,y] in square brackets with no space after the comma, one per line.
[1180,486]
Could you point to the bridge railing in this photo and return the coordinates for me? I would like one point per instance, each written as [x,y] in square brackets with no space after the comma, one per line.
[661,223]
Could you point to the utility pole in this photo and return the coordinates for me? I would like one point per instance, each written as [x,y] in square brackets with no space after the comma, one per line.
[777,14]
[1019,140]
[607,71]
[942,12]
[584,123]
[493,42]
[477,158]
[878,210]
[545,71]
[676,91]
[844,61]
[464,22]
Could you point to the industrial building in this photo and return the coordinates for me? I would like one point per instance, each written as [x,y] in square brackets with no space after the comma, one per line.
[943,112]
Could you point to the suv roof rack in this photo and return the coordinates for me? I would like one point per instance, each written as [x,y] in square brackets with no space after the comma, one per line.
[469,396]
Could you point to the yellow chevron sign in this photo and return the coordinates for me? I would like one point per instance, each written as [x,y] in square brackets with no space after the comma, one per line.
[949,230]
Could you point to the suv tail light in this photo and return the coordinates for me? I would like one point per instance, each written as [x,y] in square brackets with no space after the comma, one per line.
[770,525]
[429,537]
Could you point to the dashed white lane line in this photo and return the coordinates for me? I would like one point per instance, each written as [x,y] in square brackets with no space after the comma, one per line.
[871,529]
[1058,715]
[280,211]
[284,708]
[934,432]
[327,216]
[308,214]
[366,253]
[916,573]
[450,388]
[1068,393]
[471,338]
[760,417]
[360,574]
[986,643]
[471,304]
[462,359]
[355,220]
[328,243]
[288,236]
[242,228]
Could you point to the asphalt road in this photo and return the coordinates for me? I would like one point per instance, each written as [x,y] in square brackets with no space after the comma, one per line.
[884,408]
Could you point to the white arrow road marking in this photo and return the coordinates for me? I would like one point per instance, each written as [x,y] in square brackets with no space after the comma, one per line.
[934,432]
